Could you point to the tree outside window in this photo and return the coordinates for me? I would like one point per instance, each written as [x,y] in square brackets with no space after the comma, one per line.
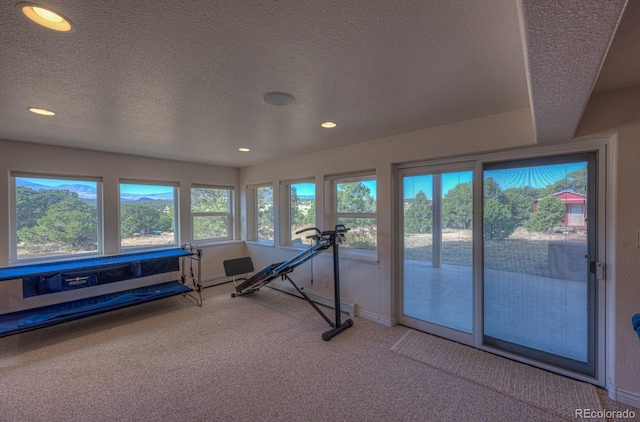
[55,217]
[265,216]
[211,213]
[418,217]
[147,215]
[356,210]
[302,211]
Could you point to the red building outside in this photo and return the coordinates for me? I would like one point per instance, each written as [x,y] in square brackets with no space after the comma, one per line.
[575,212]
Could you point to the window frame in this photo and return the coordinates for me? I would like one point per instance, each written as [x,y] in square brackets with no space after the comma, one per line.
[253,213]
[176,214]
[332,215]
[285,203]
[13,223]
[229,214]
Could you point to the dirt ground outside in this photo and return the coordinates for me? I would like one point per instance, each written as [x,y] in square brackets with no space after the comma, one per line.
[523,252]
[163,239]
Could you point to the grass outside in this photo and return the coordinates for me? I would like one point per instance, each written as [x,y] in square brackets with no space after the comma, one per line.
[523,252]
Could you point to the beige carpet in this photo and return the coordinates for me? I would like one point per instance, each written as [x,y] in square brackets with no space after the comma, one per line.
[257,358]
[545,390]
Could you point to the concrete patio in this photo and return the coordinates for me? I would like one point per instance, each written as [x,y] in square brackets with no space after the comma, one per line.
[548,314]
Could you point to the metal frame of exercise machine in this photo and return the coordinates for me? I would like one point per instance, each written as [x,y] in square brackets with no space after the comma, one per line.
[195,254]
[323,240]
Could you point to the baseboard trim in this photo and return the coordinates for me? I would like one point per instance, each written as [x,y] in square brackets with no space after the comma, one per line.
[627,397]
[348,308]
[623,396]
[370,316]
[216,281]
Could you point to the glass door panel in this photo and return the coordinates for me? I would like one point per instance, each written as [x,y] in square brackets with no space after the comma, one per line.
[437,242]
[539,237]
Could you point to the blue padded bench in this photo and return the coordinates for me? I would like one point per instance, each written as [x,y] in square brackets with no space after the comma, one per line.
[51,278]
[635,320]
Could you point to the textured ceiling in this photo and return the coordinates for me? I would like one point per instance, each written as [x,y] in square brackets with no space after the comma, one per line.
[185,79]
[566,42]
[621,70]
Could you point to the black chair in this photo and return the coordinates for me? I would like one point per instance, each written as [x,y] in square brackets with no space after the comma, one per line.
[239,269]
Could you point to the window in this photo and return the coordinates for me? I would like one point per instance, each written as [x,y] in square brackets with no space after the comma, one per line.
[264,214]
[211,213]
[147,215]
[302,211]
[55,217]
[575,209]
[354,199]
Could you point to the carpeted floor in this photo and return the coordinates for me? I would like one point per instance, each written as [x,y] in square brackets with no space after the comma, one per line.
[548,391]
[253,358]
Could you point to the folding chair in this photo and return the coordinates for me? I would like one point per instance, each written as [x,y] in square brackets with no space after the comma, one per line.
[239,269]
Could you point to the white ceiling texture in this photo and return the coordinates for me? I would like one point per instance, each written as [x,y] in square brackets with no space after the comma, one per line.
[185,80]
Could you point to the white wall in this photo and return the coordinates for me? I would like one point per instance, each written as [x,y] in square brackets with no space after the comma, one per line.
[608,114]
[27,157]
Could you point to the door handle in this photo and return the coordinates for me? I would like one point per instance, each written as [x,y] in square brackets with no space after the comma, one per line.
[597,268]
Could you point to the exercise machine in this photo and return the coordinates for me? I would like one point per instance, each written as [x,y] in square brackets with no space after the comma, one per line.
[322,240]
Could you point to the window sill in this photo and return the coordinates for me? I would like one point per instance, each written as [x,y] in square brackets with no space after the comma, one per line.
[54,259]
[258,243]
[368,257]
[146,248]
[216,243]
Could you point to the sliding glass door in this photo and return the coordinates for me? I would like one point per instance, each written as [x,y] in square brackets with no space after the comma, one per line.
[437,286]
[503,256]
[539,243]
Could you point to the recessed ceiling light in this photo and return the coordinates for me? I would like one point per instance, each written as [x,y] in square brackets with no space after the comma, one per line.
[45,17]
[278,99]
[244,149]
[41,111]
[329,125]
